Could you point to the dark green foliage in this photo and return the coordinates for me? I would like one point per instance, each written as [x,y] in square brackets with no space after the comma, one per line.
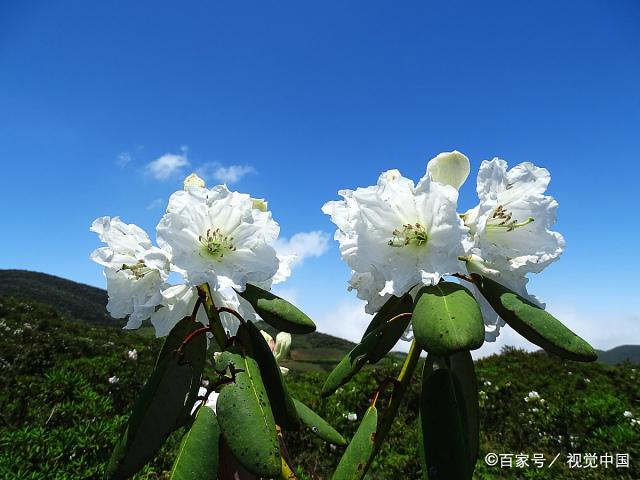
[353,461]
[284,411]
[245,416]
[447,319]
[444,423]
[534,323]
[60,417]
[198,455]
[318,425]
[277,312]
[164,403]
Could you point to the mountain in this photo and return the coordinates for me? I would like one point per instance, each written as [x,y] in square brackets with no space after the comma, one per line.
[313,352]
[79,301]
[620,354]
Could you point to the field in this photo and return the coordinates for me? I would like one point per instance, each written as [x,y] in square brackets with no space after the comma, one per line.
[60,414]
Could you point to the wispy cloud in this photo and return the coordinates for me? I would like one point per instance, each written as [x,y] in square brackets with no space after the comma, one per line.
[167,165]
[155,204]
[228,174]
[346,320]
[303,245]
[123,159]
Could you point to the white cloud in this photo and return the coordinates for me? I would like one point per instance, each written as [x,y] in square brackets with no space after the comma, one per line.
[168,164]
[228,174]
[346,320]
[155,204]
[303,245]
[123,159]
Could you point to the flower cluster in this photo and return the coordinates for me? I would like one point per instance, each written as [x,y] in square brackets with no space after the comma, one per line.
[206,236]
[398,234]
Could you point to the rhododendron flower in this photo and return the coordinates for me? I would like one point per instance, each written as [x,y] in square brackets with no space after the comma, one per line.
[510,232]
[510,227]
[135,270]
[216,236]
[400,234]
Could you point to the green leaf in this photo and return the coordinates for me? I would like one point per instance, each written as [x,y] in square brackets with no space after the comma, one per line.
[245,417]
[284,410]
[392,331]
[394,306]
[352,362]
[461,365]
[373,347]
[444,424]
[157,412]
[534,323]
[198,454]
[277,312]
[353,461]
[447,319]
[163,404]
[318,425]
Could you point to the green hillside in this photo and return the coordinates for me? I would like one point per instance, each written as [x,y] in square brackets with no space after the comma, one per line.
[623,353]
[78,300]
[60,414]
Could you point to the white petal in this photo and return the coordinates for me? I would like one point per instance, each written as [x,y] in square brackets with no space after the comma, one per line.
[448,168]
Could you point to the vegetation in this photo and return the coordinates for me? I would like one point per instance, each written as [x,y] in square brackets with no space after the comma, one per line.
[66,387]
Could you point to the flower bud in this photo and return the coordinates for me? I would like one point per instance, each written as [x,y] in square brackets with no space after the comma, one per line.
[193,180]
[449,168]
[260,204]
[269,340]
[283,345]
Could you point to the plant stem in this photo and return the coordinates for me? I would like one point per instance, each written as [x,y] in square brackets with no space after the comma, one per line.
[214,317]
[400,387]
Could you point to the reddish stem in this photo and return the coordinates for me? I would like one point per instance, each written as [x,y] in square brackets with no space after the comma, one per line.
[191,336]
[232,312]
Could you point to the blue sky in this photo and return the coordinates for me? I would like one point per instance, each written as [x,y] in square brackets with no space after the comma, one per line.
[306,98]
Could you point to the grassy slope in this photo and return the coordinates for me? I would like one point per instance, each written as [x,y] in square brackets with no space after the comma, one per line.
[59,416]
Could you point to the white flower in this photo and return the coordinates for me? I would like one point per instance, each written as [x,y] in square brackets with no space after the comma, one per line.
[135,270]
[211,401]
[193,180]
[510,232]
[178,301]
[627,414]
[351,417]
[132,354]
[397,235]
[533,395]
[510,227]
[216,236]
[113,380]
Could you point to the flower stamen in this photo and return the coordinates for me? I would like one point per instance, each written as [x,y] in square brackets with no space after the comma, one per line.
[409,235]
[501,220]
[216,243]
[138,269]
